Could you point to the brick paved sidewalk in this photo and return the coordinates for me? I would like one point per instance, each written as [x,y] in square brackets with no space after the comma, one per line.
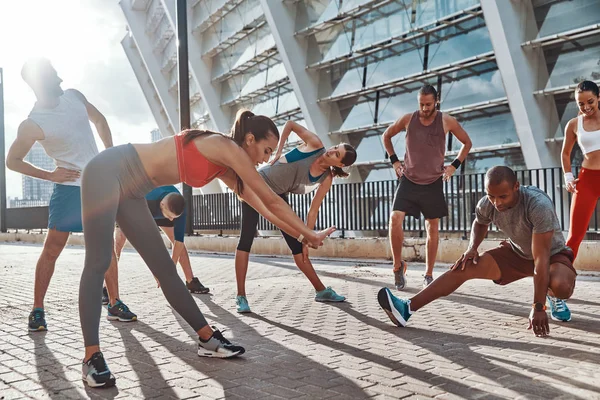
[471,345]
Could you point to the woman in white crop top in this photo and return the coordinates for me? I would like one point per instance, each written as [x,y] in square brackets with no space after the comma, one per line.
[585,130]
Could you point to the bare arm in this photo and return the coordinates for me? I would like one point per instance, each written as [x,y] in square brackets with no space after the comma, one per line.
[311,140]
[397,127]
[178,248]
[478,233]
[567,147]
[99,121]
[313,212]
[27,134]
[254,201]
[540,248]
[225,152]
[454,127]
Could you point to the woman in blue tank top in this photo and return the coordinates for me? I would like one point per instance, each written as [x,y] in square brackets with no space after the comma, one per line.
[302,170]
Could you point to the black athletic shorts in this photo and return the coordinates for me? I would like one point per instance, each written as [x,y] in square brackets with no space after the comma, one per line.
[416,199]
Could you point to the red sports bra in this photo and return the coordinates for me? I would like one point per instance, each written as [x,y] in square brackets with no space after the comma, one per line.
[194,169]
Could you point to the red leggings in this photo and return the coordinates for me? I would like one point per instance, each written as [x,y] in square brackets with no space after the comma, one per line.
[583,206]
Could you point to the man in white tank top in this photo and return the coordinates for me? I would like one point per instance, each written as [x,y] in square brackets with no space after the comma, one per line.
[60,122]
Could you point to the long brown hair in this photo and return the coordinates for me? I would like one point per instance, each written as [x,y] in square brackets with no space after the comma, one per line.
[348,159]
[245,122]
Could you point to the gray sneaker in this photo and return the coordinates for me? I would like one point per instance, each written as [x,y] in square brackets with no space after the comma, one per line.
[427,281]
[95,372]
[400,276]
[219,347]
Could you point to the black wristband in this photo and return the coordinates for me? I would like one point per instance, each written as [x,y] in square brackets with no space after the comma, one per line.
[394,159]
[456,163]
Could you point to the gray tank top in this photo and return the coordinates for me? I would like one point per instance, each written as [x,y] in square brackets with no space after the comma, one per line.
[292,177]
[425,150]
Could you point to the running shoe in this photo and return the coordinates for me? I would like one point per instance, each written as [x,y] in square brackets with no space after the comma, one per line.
[37,320]
[427,281]
[328,295]
[558,309]
[120,312]
[398,310]
[194,286]
[219,347]
[105,298]
[400,276]
[242,304]
[95,372]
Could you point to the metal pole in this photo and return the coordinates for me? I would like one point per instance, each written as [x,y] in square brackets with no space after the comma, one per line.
[184,95]
[2,159]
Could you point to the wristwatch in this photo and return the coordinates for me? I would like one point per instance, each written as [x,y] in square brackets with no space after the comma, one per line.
[539,306]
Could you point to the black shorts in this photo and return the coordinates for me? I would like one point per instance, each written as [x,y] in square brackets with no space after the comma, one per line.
[416,199]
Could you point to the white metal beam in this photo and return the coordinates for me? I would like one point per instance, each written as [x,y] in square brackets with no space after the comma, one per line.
[511,24]
[137,24]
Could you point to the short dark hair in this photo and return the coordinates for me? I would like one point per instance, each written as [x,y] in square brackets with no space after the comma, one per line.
[428,89]
[500,173]
[175,203]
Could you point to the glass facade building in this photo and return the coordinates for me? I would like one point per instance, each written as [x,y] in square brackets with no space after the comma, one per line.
[34,189]
[347,69]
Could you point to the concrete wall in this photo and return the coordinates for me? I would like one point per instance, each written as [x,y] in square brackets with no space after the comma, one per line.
[357,248]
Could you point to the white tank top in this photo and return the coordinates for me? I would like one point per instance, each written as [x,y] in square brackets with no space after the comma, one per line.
[69,139]
[588,141]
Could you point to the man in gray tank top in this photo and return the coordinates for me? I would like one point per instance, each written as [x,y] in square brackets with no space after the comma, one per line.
[421,175]
[60,122]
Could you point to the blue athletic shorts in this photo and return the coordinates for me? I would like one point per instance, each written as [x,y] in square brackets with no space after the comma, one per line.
[64,211]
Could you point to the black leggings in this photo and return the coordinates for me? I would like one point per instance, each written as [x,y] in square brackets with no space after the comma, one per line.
[250,222]
[113,187]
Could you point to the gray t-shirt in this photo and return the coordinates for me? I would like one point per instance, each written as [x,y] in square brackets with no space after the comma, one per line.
[534,213]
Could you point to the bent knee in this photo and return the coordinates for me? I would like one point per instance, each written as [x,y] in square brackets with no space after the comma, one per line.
[563,289]
[396,219]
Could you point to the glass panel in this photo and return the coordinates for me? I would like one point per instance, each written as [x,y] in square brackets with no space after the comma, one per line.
[460,47]
[370,148]
[349,81]
[359,115]
[472,90]
[477,165]
[334,42]
[430,10]
[392,108]
[395,67]
[568,64]
[566,15]
[489,131]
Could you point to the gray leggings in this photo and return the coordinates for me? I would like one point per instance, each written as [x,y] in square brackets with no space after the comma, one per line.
[113,187]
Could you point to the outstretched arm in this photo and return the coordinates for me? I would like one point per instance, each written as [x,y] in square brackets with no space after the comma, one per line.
[225,152]
[313,211]
[311,140]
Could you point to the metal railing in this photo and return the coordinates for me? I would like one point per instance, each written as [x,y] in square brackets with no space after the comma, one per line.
[357,207]
[367,206]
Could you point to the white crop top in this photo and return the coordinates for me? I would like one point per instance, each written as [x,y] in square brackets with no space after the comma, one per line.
[588,141]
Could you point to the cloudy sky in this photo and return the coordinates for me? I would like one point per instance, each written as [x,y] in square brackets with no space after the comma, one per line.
[82,38]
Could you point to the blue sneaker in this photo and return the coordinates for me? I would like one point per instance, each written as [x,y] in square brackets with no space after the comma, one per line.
[242,304]
[329,295]
[397,309]
[95,372]
[120,312]
[37,320]
[558,309]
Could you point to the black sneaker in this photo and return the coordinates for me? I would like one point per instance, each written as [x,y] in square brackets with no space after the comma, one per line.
[37,320]
[120,312]
[196,287]
[218,346]
[95,372]
[104,296]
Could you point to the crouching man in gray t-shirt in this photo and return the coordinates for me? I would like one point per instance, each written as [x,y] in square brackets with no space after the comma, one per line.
[535,247]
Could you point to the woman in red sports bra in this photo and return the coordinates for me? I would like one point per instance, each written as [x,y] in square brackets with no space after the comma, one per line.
[114,184]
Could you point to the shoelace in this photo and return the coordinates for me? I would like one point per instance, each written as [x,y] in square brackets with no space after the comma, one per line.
[99,364]
[37,315]
[122,307]
[559,305]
